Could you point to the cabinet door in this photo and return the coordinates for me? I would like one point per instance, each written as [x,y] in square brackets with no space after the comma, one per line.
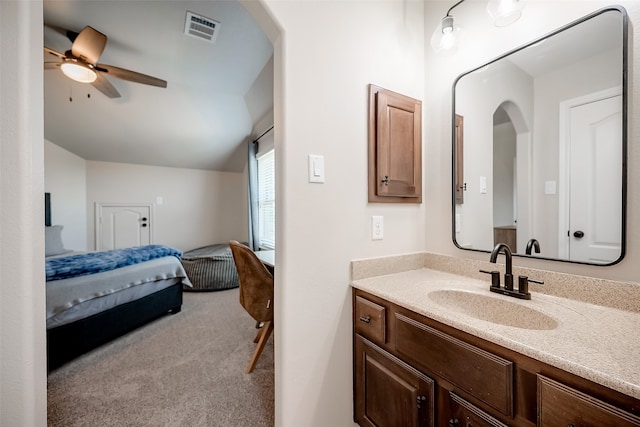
[464,414]
[559,405]
[395,147]
[388,392]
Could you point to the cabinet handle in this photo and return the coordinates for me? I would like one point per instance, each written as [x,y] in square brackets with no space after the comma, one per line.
[365,319]
[453,422]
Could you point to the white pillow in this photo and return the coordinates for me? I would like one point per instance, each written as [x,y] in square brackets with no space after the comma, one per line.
[53,241]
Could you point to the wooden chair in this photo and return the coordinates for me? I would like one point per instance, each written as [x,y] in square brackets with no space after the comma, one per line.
[256,294]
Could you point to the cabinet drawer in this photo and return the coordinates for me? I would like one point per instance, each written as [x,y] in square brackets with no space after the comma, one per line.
[464,414]
[477,372]
[559,405]
[370,320]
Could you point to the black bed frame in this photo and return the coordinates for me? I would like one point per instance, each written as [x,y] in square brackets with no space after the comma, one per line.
[69,341]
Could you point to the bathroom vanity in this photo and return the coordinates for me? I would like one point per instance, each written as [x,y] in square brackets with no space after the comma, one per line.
[433,348]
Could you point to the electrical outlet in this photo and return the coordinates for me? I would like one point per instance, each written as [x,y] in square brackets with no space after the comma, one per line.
[377,227]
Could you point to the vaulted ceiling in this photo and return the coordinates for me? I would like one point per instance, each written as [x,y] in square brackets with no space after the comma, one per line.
[216,93]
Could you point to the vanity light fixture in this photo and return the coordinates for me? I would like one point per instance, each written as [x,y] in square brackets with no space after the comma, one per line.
[447,35]
[505,12]
[78,71]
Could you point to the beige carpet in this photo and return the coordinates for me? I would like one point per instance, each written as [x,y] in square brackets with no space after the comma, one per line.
[181,370]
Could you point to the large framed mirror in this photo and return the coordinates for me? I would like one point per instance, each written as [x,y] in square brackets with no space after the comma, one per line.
[540,143]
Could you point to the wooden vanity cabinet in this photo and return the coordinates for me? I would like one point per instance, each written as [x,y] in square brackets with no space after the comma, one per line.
[410,370]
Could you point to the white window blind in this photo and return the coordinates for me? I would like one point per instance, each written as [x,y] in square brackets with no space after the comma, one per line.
[267,200]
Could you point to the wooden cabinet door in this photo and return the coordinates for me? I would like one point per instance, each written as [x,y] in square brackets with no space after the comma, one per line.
[395,147]
[388,392]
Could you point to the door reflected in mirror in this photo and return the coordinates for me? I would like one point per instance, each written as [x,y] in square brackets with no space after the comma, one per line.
[539,143]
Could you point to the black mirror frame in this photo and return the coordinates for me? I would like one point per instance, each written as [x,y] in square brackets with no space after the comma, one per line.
[625,62]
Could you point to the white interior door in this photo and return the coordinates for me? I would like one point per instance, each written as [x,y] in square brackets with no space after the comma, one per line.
[595,212]
[122,226]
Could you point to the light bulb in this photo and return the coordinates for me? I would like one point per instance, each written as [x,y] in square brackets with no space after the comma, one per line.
[446,37]
[505,12]
[79,72]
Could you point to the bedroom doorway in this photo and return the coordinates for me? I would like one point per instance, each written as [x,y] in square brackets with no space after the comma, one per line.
[122,225]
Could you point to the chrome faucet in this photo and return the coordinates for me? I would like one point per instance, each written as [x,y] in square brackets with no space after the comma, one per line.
[523,281]
[532,244]
[508,275]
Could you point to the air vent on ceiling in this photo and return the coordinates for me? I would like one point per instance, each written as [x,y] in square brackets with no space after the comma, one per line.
[201,27]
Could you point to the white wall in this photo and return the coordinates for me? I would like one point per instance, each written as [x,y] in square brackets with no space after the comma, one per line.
[484,43]
[22,297]
[504,179]
[65,179]
[329,52]
[478,96]
[199,207]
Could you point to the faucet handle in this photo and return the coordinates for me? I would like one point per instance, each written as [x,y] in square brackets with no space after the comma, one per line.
[495,277]
[523,284]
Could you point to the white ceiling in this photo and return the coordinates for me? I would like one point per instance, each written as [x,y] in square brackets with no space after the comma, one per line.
[215,94]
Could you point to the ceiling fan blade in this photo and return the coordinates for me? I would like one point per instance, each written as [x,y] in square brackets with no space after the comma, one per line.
[54,53]
[104,86]
[51,65]
[131,76]
[89,45]
[71,35]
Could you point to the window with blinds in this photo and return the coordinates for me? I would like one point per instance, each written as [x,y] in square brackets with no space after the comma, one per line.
[267,200]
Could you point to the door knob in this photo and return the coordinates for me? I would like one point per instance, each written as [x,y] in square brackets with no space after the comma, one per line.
[578,234]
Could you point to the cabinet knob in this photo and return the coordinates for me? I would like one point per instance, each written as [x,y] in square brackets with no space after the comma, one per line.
[453,422]
[366,319]
[578,234]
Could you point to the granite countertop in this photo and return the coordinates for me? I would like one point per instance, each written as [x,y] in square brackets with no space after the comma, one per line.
[592,341]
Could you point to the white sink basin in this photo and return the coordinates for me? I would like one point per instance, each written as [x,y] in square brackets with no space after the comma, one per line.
[493,309]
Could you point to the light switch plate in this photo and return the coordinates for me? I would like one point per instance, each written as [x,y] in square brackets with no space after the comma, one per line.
[377,227]
[549,187]
[483,185]
[316,168]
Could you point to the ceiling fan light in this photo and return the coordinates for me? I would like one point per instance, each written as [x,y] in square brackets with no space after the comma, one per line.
[79,72]
[505,12]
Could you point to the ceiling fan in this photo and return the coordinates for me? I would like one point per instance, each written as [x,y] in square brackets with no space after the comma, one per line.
[81,63]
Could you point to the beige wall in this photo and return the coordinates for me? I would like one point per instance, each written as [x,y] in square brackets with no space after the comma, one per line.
[198,208]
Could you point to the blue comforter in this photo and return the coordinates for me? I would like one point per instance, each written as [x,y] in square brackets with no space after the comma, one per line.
[97,262]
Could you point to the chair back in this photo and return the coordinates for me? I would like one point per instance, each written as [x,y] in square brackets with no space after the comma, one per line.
[256,283]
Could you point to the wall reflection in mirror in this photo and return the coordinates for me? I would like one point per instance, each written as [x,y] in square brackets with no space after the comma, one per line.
[540,146]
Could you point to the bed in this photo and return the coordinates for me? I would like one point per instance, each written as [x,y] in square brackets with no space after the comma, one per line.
[92,305]
[210,268]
